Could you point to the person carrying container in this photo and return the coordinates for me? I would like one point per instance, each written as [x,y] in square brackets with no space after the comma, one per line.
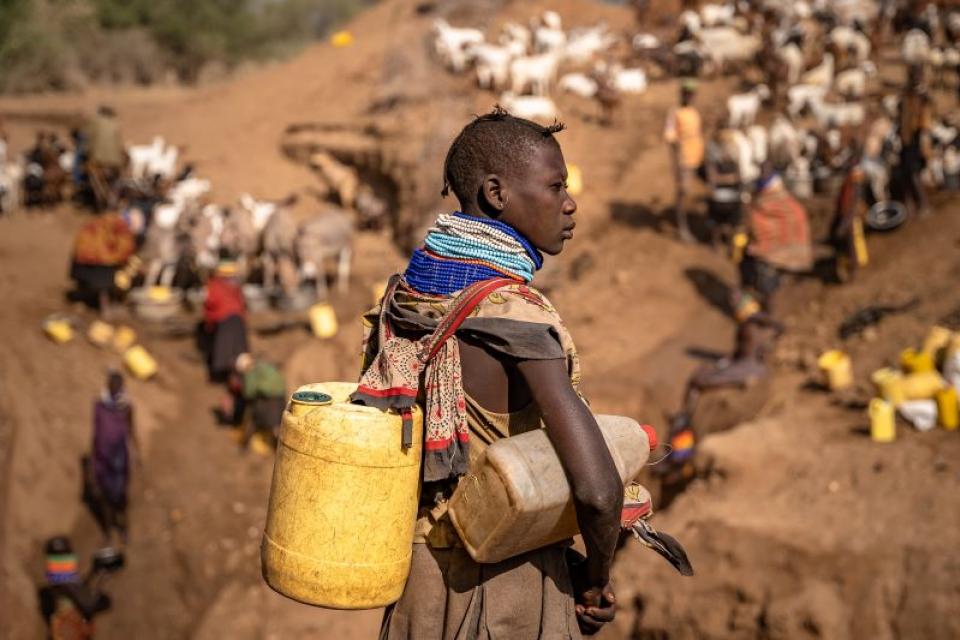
[224,331]
[780,239]
[683,133]
[846,229]
[106,155]
[261,387]
[512,368]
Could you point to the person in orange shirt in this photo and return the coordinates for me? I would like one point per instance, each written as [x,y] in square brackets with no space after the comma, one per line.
[684,133]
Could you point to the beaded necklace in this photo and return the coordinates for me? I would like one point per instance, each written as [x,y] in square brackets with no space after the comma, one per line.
[460,250]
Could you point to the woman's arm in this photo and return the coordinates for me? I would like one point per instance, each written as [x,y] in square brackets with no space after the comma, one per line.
[594,480]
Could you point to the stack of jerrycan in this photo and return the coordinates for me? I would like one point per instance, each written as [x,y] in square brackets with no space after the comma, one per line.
[344,498]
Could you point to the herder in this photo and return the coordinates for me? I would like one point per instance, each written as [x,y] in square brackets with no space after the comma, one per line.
[262,387]
[683,132]
[512,368]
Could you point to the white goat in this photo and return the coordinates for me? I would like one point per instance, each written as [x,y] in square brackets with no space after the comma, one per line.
[155,159]
[584,45]
[916,48]
[492,65]
[715,15]
[534,72]
[516,38]
[723,45]
[803,96]
[792,57]
[822,74]
[851,84]
[645,42]
[579,84]
[743,107]
[629,80]
[838,115]
[450,44]
[850,39]
[529,107]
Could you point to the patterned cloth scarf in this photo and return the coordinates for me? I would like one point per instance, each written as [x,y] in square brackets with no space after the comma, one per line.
[460,250]
[461,254]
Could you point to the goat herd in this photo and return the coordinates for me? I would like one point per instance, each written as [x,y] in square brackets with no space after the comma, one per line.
[811,72]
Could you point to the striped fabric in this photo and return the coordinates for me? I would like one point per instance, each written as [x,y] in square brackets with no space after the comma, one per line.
[780,230]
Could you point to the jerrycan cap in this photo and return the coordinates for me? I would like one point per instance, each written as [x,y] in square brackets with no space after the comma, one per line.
[312,397]
[651,435]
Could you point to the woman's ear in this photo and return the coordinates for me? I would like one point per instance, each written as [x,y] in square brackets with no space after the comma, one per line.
[494,192]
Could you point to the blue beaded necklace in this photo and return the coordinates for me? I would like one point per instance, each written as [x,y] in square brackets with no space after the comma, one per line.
[460,250]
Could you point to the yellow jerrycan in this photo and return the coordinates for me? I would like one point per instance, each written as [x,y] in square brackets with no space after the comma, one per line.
[948,412]
[516,497]
[837,370]
[323,320]
[913,361]
[58,329]
[140,363]
[343,502]
[883,421]
[100,333]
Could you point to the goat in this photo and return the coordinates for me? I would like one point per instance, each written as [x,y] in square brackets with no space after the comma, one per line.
[743,107]
[724,45]
[536,72]
[822,74]
[715,15]
[916,48]
[492,65]
[851,84]
[629,80]
[450,44]
[529,107]
[155,159]
[579,84]
[321,238]
[849,39]
[516,38]
[278,245]
[838,115]
[803,96]
[645,42]
[792,57]
[585,44]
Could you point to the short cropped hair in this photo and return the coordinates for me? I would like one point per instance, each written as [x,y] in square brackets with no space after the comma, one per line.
[496,142]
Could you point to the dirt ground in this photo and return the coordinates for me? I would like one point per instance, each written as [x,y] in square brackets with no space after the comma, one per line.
[803,528]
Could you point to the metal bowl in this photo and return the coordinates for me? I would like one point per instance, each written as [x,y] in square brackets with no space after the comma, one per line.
[886,215]
[150,310]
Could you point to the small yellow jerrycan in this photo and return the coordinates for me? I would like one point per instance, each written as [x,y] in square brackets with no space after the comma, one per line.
[948,413]
[882,421]
[323,320]
[837,370]
[140,363]
[574,180]
[936,341]
[738,245]
[860,244]
[343,501]
[889,384]
[123,338]
[58,329]
[100,333]
[913,361]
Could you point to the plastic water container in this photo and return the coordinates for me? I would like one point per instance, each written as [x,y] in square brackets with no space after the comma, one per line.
[860,244]
[58,330]
[914,361]
[343,502]
[948,412]
[323,320]
[837,370]
[100,333]
[516,497]
[922,385]
[123,338]
[889,384]
[937,340]
[140,363]
[882,421]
